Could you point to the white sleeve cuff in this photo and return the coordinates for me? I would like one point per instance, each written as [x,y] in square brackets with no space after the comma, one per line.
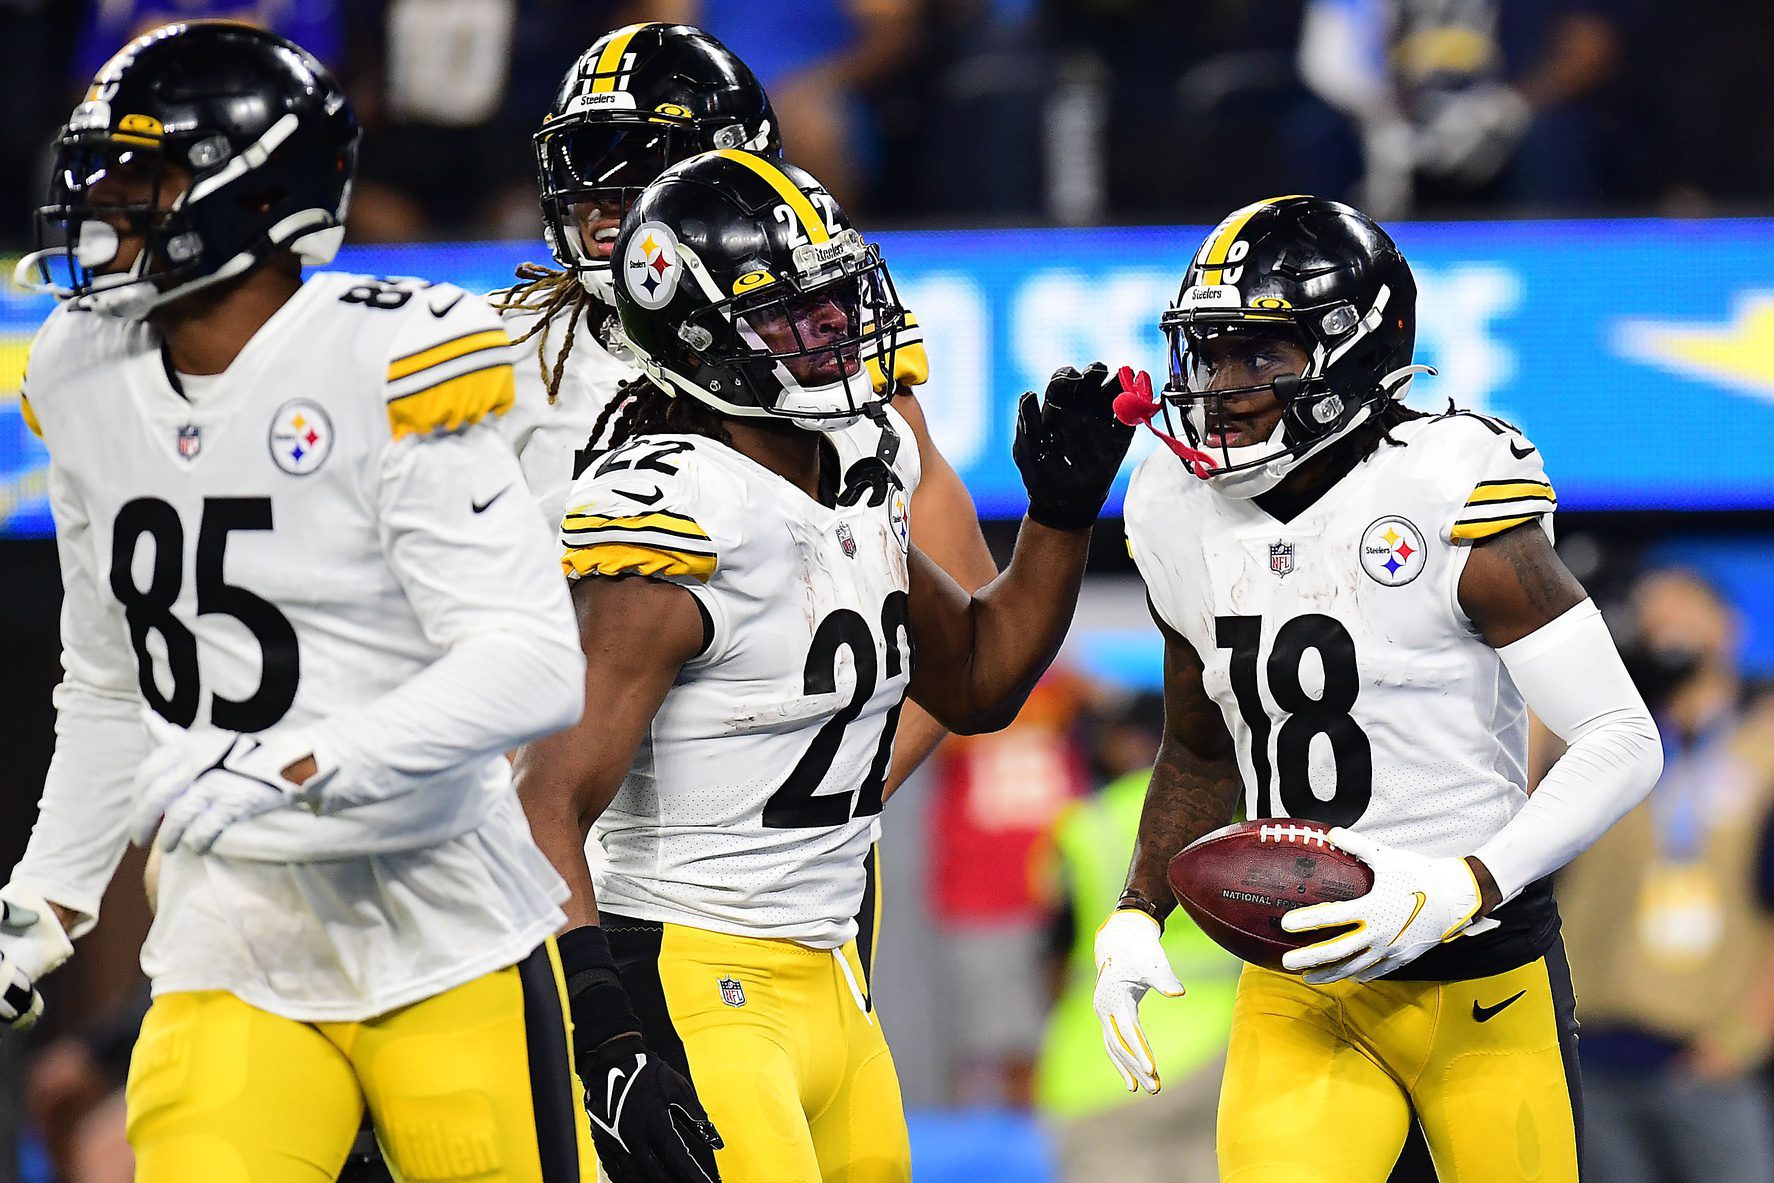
[1571,676]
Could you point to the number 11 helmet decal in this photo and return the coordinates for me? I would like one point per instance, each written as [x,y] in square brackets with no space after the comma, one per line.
[640,100]
[741,282]
[1327,277]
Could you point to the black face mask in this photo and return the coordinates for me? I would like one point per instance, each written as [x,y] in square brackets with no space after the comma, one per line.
[1659,671]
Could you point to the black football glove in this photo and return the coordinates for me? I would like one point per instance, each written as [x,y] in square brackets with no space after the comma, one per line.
[1069,446]
[646,1121]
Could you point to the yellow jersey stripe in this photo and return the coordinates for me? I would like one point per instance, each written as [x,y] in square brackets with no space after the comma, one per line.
[792,197]
[1471,531]
[1222,243]
[454,403]
[609,62]
[24,406]
[674,523]
[455,347]
[1509,491]
[609,558]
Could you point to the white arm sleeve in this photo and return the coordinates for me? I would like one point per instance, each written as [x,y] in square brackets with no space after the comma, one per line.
[1571,676]
[82,819]
[487,588]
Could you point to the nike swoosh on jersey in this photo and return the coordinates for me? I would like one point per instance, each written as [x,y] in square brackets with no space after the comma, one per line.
[1484,1014]
[440,313]
[653,498]
[482,506]
[1518,453]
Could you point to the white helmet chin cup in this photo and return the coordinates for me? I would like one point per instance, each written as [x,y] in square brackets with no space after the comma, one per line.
[597,280]
[1245,483]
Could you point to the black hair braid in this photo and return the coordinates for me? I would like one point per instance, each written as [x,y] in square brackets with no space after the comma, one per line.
[641,407]
[549,293]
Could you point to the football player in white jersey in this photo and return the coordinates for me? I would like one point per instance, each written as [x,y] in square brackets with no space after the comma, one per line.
[639,100]
[1359,603]
[305,615]
[755,612]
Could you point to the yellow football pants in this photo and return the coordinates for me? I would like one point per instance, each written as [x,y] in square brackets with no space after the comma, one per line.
[782,1045]
[476,1083]
[1321,1081]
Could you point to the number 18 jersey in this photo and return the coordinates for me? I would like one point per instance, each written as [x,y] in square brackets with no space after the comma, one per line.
[1357,692]
[755,796]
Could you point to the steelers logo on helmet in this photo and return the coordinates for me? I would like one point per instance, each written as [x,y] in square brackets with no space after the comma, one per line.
[1393,551]
[651,267]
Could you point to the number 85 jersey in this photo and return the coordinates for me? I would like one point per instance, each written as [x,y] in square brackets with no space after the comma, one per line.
[1356,691]
[755,796]
[285,544]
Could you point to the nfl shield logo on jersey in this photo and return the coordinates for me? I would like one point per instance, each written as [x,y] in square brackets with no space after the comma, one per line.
[190,441]
[732,993]
[1281,558]
[847,540]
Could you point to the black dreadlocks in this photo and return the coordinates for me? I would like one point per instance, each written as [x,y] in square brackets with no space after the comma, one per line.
[549,292]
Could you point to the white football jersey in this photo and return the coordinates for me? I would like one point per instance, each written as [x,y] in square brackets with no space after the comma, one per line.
[288,547]
[1356,690]
[551,438]
[753,801]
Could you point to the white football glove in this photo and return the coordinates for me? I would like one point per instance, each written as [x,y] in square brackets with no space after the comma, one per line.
[1130,961]
[32,944]
[1416,903]
[194,785]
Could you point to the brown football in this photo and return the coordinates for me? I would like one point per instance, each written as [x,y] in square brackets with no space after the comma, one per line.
[1237,882]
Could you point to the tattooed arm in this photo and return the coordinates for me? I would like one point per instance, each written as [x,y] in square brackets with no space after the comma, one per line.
[1515,582]
[1194,787]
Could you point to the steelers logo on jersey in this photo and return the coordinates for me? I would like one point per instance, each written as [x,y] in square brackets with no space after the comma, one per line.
[301,437]
[651,267]
[1392,551]
[900,515]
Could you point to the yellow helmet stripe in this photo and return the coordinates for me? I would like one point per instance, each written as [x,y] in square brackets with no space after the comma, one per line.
[811,222]
[1229,232]
[609,62]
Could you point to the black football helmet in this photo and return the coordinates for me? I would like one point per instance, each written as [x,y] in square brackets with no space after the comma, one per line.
[1322,273]
[740,282]
[637,102]
[264,132]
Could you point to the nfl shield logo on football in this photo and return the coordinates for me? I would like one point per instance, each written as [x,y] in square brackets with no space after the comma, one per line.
[1281,558]
[846,540]
[190,441]
[732,993]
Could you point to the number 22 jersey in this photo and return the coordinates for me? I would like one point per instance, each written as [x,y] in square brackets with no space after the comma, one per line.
[756,794]
[1356,690]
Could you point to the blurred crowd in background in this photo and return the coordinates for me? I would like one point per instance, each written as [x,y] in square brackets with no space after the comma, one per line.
[975,112]
[1031,111]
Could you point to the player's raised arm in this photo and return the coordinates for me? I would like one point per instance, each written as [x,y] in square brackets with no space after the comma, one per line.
[945,527]
[977,657]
